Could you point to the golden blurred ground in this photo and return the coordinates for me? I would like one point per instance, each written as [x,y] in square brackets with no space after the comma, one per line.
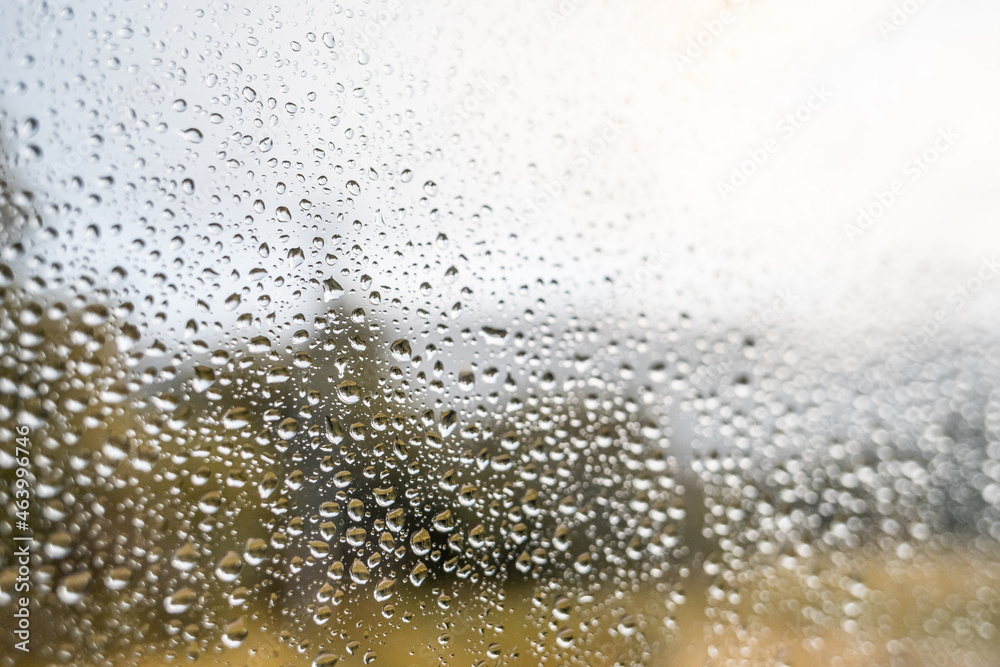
[936,607]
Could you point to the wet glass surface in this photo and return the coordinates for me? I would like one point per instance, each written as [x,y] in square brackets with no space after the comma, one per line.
[562,333]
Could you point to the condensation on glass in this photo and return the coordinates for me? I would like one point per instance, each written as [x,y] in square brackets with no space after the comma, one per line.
[381,332]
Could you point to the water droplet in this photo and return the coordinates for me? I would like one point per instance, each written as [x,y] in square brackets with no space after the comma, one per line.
[332,290]
[193,135]
[236,418]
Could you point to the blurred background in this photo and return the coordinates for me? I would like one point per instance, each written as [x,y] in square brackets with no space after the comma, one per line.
[543,332]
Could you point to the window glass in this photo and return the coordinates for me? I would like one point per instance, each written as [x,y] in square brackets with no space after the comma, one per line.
[552,332]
